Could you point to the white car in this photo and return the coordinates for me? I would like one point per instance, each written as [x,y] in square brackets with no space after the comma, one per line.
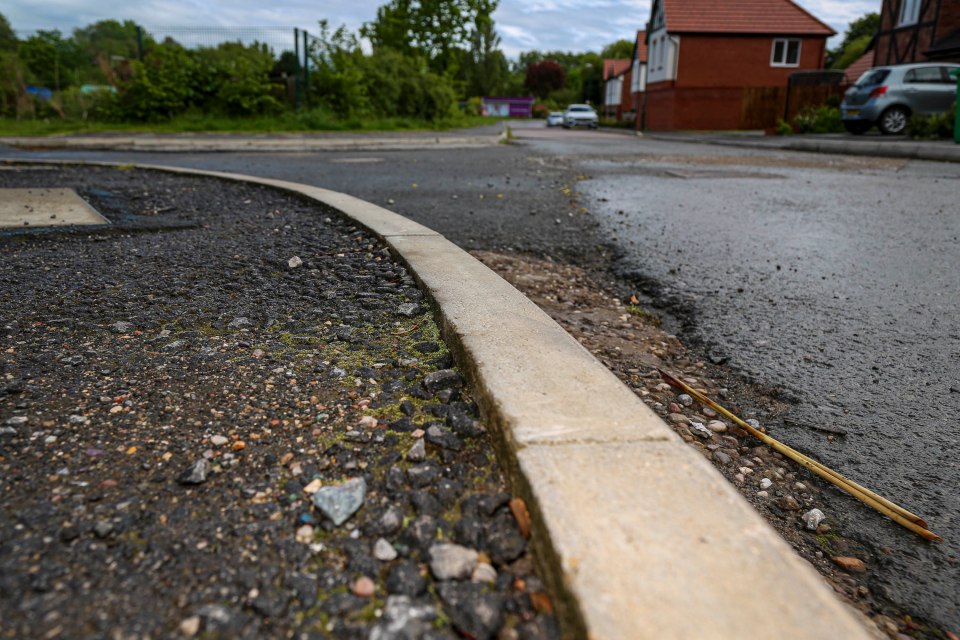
[580,115]
[555,119]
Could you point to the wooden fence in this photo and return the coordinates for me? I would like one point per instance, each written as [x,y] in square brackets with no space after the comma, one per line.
[763,107]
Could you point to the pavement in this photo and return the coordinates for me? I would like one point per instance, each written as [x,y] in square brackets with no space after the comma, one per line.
[834,143]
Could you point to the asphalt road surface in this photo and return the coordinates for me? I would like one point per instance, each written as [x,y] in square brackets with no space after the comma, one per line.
[834,279]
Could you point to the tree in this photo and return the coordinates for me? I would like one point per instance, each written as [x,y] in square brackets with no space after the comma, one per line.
[434,29]
[543,77]
[52,61]
[109,38]
[855,41]
[8,39]
[619,50]
[486,66]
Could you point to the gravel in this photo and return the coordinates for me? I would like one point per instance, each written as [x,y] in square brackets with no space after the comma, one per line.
[177,394]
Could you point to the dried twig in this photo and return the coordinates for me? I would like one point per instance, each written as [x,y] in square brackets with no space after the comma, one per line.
[895,512]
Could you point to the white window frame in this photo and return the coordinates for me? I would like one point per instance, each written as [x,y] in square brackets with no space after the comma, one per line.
[909,12]
[786,47]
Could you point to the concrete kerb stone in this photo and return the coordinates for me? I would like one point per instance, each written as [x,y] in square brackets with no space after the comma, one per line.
[639,535]
[911,151]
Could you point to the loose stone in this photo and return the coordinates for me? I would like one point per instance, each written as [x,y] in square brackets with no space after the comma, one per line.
[472,611]
[722,458]
[700,430]
[219,440]
[405,579]
[418,452]
[789,503]
[717,426]
[847,563]
[294,262]
[239,323]
[195,473]
[409,309]
[685,399]
[813,518]
[484,572]
[121,327]
[339,502]
[384,551]
[443,379]
[363,587]
[452,562]
[305,534]
[190,626]
[403,620]
[766,483]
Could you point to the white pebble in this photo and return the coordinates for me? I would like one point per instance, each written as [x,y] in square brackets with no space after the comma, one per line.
[384,551]
[766,483]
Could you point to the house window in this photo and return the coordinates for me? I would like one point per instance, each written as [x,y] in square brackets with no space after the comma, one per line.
[663,51]
[786,53]
[909,12]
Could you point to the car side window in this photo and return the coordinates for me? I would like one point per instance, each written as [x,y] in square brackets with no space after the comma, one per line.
[946,78]
[923,74]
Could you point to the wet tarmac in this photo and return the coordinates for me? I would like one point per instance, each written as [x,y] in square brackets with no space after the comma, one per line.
[840,285]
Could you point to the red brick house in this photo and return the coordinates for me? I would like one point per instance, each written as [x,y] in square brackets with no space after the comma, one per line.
[703,56]
[860,66]
[633,90]
[918,31]
[613,78]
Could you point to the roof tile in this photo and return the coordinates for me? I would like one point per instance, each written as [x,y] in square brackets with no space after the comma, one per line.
[779,17]
[641,46]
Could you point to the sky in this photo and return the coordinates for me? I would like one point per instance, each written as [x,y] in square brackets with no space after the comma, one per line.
[547,25]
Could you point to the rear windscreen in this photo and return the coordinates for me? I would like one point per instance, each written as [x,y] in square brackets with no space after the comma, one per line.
[874,76]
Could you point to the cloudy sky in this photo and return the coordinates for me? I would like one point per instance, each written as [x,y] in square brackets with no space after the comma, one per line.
[568,25]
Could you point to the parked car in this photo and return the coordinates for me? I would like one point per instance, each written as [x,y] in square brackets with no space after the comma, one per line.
[580,115]
[888,96]
[555,119]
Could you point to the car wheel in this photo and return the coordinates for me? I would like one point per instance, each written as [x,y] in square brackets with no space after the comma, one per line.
[893,121]
[856,128]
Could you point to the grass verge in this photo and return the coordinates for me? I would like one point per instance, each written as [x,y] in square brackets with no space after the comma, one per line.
[315,120]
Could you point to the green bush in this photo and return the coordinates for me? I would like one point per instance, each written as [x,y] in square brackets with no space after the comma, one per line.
[784,128]
[233,79]
[824,119]
[93,105]
[387,83]
[932,127]
[162,86]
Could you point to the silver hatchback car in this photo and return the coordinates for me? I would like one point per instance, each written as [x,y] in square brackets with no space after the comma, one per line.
[888,96]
